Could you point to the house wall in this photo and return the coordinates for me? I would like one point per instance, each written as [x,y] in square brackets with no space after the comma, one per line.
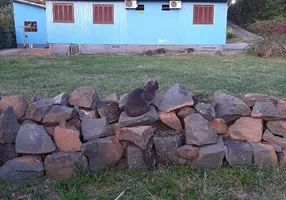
[22,13]
[149,27]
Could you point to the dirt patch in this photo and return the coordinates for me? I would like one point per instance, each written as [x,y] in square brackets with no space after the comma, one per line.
[34,52]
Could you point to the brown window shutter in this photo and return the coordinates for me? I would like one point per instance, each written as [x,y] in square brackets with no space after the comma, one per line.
[203,14]
[103,14]
[63,13]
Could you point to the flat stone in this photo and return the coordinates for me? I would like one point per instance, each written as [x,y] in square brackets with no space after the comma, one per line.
[188,152]
[61,99]
[102,152]
[7,152]
[269,137]
[9,125]
[171,120]
[67,140]
[123,100]
[33,139]
[85,97]
[210,156]
[94,128]
[22,168]
[61,166]
[263,154]
[267,111]
[166,145]
[251,99]
[199,131]
[175,98]
[229,108]
[58,114]
[206,110]
[145,119]
[18,102]
[247,128]
[110,110]
[219,125]
[184,112]
[277,127]
[238,152]
[139,135]
[112,97]
[39,109]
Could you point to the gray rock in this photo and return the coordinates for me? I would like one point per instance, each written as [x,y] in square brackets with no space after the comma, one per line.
[251,99]
[123,100]
[264,154]
[282,158]
[139,135]
[278,148]
[39,109]
[175,98]
[85,97]
[58,114]
[229,108]
[238,152]
[18,102]
[94,128]
[9,125]
[102,152]
[210,156]
[37,97]
[188,152]
[145,119]
[7,152]
[199,131]
[110,110]
[277,127]
[266,111]
[61,166]
[206,110]
[61,99]
[112,97]
[269,137]
[22,168]
[166,145]
[184,112]
[33,139]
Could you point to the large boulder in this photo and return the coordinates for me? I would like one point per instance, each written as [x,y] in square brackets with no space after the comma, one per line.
[206,109]
[229,108]
[102,152]
[188,152]
[22,168]
[270,110]
[277,127]
[199,131]
[251,99]
[210,156]
[33,139]
[166,145]
[145,119]
[238,152]
[263,154]
[139,135]
[7,152]
[9,125]
[184,112]
[85,97]
[110,110]
[171,120]
[219,125]
[175,98]
[61,166]
[18,102]
[94,128]
[61,99]
[247,128]
[39,109]
[269,137]
[58,114]
[67,140]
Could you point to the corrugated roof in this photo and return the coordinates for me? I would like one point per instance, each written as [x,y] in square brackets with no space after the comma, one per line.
[30,3]
[202,1]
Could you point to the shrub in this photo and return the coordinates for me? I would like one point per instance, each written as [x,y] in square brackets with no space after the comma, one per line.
[230,34]
[7,31]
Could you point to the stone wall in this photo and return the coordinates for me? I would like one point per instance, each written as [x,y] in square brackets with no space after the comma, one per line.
[55,137]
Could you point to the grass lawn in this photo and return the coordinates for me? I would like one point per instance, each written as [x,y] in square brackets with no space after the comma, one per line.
[237,74]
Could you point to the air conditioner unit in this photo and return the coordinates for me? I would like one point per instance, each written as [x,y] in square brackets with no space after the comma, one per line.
[175,4]
[130,4]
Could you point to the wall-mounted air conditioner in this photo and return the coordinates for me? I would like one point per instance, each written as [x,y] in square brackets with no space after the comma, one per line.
[130,4]
[175,4]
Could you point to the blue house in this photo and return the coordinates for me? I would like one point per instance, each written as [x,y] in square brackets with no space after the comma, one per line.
[30,23]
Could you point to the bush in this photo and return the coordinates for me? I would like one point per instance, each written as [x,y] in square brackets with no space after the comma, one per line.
[230,34]
[7,30]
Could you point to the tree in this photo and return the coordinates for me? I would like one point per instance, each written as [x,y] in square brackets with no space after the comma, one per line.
[4,2]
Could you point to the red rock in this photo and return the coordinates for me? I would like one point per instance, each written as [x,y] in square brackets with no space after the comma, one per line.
[188,152]
[184,112]
[219,125]
[251,99]
[67,140]
[50,130]
[171,120]
[58,114]
[282,158]
[112,97]
[18,102]
[85,97]
[263,154]
[277,127]
[246,128]
[39,109]
[269,137]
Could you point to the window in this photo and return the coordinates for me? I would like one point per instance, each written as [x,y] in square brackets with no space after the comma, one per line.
[30,26]
[203,14]
[63,12]
[103,14]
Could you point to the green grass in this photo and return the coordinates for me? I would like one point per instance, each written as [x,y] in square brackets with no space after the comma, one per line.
[237,74]
[50,75]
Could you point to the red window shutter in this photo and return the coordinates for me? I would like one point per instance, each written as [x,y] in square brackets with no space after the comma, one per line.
[203,14]
[63,13]
[103,14]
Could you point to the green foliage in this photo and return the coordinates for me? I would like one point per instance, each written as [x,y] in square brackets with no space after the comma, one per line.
[3,3]
[230,34]
[7,18]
